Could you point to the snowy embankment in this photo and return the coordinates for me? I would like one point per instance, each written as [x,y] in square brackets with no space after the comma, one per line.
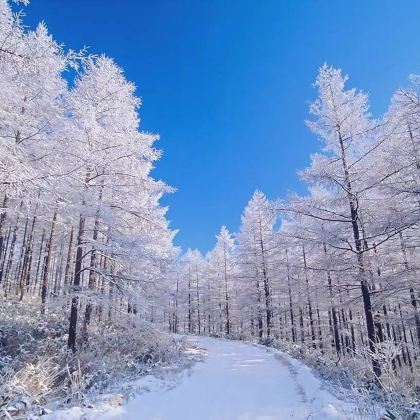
[235,380]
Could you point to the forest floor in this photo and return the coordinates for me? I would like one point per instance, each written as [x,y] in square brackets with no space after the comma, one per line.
[231,380]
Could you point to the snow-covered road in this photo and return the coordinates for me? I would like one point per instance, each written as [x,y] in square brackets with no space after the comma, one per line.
[239,381]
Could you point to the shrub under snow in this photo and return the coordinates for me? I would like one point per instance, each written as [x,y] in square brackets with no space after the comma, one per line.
[37,370]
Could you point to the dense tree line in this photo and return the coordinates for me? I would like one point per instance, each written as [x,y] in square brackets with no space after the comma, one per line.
[335,270]
[81,226]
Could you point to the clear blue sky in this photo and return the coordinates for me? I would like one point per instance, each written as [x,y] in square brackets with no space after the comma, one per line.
[226,83]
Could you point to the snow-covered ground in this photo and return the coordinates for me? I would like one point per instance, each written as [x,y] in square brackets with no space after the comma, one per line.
[235,381]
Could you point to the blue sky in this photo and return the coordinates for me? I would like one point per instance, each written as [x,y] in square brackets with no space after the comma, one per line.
[227,83]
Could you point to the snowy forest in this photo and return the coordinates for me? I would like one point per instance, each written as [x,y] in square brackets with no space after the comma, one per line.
[93,289]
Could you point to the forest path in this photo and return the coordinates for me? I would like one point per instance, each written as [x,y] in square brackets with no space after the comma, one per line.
[240,381]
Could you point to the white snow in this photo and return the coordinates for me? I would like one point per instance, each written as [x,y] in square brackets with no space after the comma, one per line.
[234,381]
[237,381]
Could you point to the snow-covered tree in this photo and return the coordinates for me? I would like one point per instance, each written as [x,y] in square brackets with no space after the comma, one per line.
[257,246]
[222,281]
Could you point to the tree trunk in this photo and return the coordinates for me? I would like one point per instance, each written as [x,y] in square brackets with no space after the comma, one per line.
[71,343]
[69,260]
[289,287]
[308,296]
[367,304]
[267,294]
[198,305]
[47,261]
[92,278]
[2,222]
[226,293]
